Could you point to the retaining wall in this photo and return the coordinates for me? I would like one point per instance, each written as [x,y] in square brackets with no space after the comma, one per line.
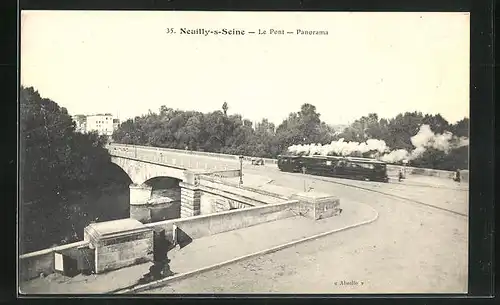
[394,169]
[31,265]
[179,230]
[206,225]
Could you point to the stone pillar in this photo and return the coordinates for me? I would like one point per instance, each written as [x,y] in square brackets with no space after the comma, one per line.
[139,196]
[317,205]
[190,200]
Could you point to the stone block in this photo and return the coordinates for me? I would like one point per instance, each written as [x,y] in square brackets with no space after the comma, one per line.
[119,243]
[187,211]
[190,200]
[317,205]
[140,194]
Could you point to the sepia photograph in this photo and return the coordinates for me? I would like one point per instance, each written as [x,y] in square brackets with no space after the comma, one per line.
[204,152]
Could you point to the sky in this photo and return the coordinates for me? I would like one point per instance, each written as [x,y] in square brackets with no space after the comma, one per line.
[126,64]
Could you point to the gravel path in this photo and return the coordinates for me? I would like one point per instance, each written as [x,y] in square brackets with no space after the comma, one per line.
[409,249]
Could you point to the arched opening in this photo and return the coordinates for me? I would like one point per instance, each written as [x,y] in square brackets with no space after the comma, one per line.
[165,201]
[114,174]
[114,198]
[63,219]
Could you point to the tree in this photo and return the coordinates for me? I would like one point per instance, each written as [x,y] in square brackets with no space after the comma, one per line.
[261,141]
[216,131]
[53,156]
[192,132]
[402,128]
[288,133]
[461,128]
[54,159]
[224,108]
[437,123]
[309,123]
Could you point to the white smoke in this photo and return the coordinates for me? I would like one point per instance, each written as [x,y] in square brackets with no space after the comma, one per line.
[339,148]
[426,138]
[395,156]
[422,141]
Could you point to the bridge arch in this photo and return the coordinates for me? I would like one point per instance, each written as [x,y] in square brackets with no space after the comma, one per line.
[117,174]
[142,171]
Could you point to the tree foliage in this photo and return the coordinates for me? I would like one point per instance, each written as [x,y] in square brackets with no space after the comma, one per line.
[56,162]
[53,156]
[218,131]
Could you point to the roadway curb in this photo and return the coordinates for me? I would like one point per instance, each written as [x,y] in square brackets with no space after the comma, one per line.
[163,282]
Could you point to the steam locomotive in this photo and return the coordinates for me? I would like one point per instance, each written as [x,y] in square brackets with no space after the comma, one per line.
[346,167]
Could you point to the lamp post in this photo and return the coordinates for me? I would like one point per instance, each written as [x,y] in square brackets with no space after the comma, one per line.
[304,172]
[241,170]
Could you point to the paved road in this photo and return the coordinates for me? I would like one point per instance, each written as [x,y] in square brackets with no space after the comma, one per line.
[410,249]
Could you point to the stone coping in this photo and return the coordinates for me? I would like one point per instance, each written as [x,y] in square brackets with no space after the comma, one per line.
[82,243]
[313,196]
[115,228]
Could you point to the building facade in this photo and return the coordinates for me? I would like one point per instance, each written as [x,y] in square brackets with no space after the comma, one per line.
[103,124]
[100,123]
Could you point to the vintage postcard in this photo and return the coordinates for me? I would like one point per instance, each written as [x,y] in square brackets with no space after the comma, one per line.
[182,152]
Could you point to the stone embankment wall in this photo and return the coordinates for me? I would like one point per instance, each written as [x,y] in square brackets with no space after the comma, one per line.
[393,170]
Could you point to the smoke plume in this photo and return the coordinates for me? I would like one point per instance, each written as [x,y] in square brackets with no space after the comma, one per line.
[422,141]
[339,148]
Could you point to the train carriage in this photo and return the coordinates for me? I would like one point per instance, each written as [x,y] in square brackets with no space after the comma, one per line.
[289,163]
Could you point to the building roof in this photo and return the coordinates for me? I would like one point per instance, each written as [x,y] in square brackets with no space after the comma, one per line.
[100,114]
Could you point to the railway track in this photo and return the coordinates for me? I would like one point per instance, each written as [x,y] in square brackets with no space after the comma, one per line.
[319,178]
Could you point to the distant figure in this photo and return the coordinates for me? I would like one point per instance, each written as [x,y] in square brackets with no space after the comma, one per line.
[457,176]
[257,161]
[400,176]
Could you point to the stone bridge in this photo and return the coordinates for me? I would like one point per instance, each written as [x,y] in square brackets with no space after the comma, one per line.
[182,171]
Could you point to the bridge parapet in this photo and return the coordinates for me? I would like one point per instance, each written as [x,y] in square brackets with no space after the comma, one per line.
[217,156]
[170,158]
